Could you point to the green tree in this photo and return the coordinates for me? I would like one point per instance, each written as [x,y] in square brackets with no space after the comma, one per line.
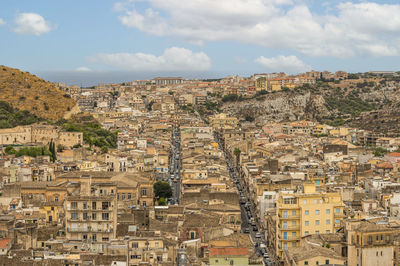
[237,153]
[10,150]
[162,202]
[162,190]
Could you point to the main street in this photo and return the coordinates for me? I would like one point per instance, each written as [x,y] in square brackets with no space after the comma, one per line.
[175,166]
[250,222]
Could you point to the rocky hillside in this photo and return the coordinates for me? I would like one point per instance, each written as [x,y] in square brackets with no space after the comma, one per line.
[372,105]
[25,91]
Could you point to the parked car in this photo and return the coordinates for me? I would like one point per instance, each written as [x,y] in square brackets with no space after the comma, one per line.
[258,235]
[246,230]
[255,228]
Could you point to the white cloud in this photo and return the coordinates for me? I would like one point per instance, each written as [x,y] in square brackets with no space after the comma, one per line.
[83,69]
[289,64]
[172,59]
[2,22]
[31,24]
[348,29]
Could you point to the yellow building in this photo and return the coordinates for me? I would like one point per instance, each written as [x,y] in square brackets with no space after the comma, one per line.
[223,121]
[308,212]
[261,84]
[52,211]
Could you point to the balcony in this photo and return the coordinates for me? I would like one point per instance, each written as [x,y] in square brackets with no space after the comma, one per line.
[89,229]
[289,238]
[289,217]
[290,228]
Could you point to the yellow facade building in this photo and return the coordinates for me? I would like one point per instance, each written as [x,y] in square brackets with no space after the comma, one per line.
[305,213]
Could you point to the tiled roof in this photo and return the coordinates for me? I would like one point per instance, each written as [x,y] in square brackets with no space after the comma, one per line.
[229,252]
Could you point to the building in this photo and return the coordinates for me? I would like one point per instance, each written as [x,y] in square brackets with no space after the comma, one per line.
[303,213]
[223,121]
[91,214]
[229,256]
[370,244]
[167,81]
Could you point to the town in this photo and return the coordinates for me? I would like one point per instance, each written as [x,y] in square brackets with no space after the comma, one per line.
[155,172]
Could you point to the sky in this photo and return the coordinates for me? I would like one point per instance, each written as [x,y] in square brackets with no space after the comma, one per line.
[94,41]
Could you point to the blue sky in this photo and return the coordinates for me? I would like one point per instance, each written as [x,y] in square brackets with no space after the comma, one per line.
[95,41]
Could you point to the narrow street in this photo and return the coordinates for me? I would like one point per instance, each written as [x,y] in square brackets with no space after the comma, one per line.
[175,167]
[250,222]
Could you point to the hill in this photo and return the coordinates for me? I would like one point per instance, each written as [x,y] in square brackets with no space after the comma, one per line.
[12,117]
[27,92]
[372,104]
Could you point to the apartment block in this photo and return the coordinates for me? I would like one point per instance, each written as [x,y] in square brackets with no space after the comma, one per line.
[91,214]
[303,213]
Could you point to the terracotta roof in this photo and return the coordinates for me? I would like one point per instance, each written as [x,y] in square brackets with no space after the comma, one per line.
[384,165]
[229,252]
[5,242]
[394,154]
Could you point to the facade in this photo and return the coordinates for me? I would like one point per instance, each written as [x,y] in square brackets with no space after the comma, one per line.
[302,214]
[370,244]
[91,214]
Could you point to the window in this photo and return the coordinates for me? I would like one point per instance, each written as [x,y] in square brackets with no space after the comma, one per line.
[306,263]
[337,210]
[369,239]
[123,196]
[306,212]
[327,231]
[129,195]
[74,205]
[284,225]
[93,216]
[192,235]
[315,201]
[294,223]
[284,214]
[94,237]
[304,201]
[306,223]
[94,206]
[289,200]
[105,216]
[84,206]
[56,198]
[387,238]
[316,222]
[337,221]
[294,244]
[285,246]
[317,232]
[84,237]
[306,233]
[328,211]
[85,216]
[293,213]
[317,212]
[105,205]
[135,244]
[328,221]
[74,216]
[284,235]
[144,192]
[293,233]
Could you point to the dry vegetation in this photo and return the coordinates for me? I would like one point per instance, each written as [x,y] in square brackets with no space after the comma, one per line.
[25,91]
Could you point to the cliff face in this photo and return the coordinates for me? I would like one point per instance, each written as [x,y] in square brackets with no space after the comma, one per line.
[374,106]
[280,107]
[28,92]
